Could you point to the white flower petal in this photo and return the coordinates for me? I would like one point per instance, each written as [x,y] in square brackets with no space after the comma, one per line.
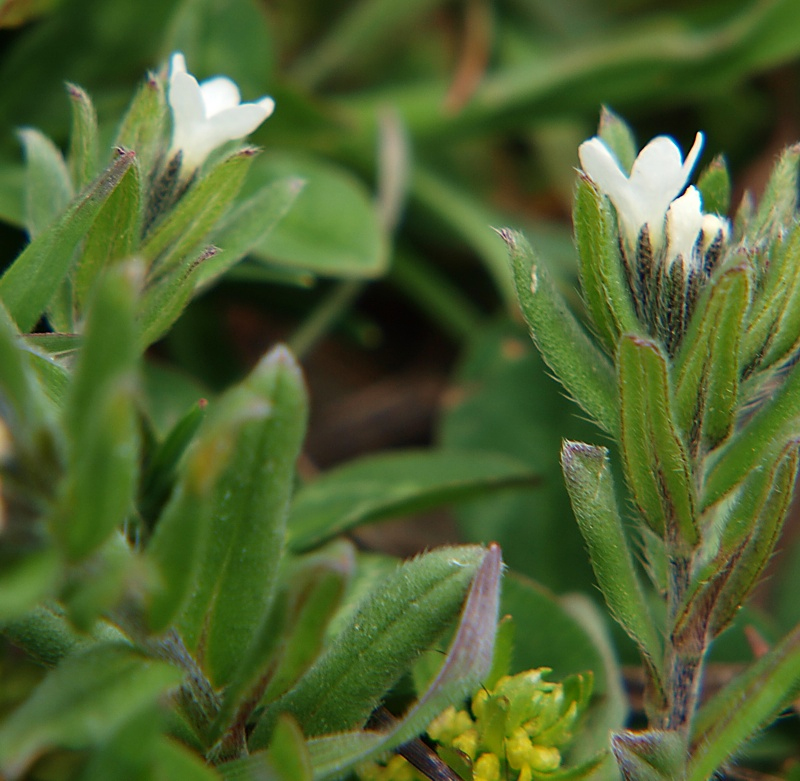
[684,225]
[208,115]
[219,94]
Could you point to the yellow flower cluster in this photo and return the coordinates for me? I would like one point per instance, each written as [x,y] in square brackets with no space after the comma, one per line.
[514,731]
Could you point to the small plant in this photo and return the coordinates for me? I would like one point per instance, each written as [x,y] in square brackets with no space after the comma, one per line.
[187,632]
[689,366]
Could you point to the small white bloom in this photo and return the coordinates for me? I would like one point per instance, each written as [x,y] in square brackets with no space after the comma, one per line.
[209,114]
[658,176]
[684,226]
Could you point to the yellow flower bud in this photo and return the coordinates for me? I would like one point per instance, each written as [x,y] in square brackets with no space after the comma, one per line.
[518,749]
[467,742]
[487,768]
[545,759]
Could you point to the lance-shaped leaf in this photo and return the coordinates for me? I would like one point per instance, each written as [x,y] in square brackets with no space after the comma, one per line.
[82,702]
[399,619]
[82,155]
[182,230]
[581,367]
[113,236]
[48,187]
[28,285]
[587,471]
[375,488]
[706,370]
[248,224]
[250,500]
[782,277]
[714,184]
[654,755]
[745,706]
[165,298]
[618,137]
[779,201]
[759,442]
[655,457]
[605,289]
[468,660]
[21,399]
[101,423]
[144,124]
[160,472]
[765,527]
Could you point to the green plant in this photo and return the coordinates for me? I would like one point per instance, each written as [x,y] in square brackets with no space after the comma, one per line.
[690,367]
[150,573]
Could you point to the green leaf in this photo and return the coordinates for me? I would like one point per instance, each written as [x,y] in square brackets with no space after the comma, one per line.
[777,205]
[587,471]
[248,225]
[758,442]
[182,231]
[566,348]
[468,660]
[605,289]
[83,146]
[175,761]
[160,471]
[764,526]
[617,135]
[655,457]
[706,369]
[249,505]
[747,704]
[81,703]
[113,237]
[714,184]
[144,124]
[403,615]
[101,424]
[33,279]
[24,583]
[375,488]
[48,187]
[332,228]
[315,585]
[653,755]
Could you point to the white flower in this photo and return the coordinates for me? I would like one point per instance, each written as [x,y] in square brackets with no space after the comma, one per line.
[658,176]
[209,114]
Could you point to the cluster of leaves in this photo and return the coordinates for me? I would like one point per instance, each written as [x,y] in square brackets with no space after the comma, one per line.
[152,572]
[708,443]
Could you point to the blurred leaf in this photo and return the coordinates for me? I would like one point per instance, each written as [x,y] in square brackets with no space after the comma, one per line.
[332,228]
[100,416]
[467,662]
[184,228]
[142,128]
[617,135]
[375,488]
[231,38]
[175,761]
[48,187]
[403,615]
[12,179]
[83,146]
[714,184]
[249,505]
[248,225]
[26,582]
[652,755]
[81,703]
[32,280]
[113,237]
[14,13]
